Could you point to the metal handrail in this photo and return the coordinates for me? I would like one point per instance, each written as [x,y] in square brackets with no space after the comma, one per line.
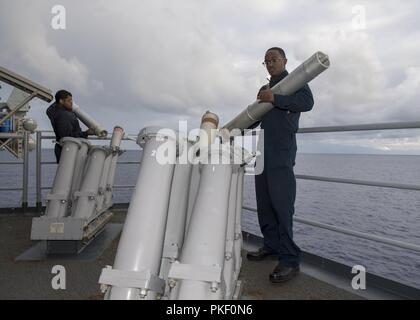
[380,126]
[115,187]
[367,236]
[399,186]
[11,189]
[363,127]
[12,163]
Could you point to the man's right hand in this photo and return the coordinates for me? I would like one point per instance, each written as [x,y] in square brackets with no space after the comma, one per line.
[90,132]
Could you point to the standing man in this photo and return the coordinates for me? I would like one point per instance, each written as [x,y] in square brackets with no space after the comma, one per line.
[276,186]
[64,121]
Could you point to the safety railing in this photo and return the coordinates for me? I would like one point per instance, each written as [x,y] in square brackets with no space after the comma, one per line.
[350,232]
[362,235]
[40,163]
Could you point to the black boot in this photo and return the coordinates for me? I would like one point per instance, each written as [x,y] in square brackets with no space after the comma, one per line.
[260,254]
[282,273]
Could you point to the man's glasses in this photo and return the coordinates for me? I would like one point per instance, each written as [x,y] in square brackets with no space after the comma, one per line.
[268,62]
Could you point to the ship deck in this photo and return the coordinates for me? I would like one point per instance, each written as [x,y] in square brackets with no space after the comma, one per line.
[32,279]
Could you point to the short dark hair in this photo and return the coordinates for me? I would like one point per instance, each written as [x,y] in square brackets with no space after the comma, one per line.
[62,94]
[280,50]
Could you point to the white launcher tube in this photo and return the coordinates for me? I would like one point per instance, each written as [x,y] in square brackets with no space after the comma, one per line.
[177,214]
[141,244]
[204,246]
[110,180]
[100,199]
[86,197]
[80,166]
[208,129]
[58,199]
[117,136]
[234,230]
[207,135]
[100,131]
[307,71]
[194,182]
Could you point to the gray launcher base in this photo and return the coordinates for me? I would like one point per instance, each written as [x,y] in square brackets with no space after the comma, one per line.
[68,235]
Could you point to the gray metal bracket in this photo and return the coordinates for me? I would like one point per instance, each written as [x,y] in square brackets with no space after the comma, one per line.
[142,279]
[171,251]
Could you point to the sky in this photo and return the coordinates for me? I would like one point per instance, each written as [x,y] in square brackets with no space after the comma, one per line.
[143,63]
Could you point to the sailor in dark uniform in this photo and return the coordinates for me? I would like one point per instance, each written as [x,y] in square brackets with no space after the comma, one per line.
[64,121]
[276,186]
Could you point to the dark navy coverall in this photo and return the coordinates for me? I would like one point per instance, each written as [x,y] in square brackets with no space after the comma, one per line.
[276,186]
[65,124]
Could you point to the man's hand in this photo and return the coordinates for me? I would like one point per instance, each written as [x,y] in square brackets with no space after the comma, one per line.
[90,132]
[266,96]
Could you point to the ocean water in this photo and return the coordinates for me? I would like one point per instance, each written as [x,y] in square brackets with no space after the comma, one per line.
[385,212]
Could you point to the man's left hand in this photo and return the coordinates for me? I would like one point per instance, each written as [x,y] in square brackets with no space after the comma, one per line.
[266,96]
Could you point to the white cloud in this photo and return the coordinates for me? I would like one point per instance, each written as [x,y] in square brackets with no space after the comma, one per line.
[160,61]
[27,48]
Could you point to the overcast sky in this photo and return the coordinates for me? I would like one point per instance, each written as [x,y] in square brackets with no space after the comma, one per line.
[141,63]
